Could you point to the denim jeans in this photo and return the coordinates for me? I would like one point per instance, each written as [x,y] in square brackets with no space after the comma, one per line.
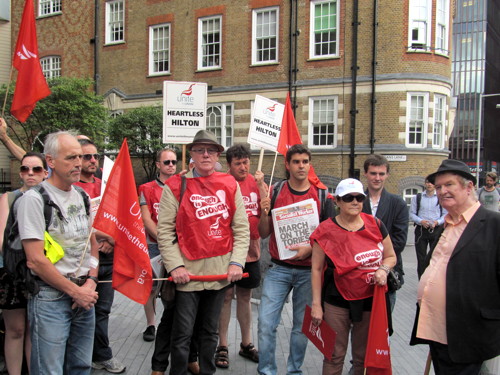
[61,337]
[102,351]
[278,282]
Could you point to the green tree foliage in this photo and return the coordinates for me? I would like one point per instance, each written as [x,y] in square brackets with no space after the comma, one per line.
[71,105]
[143,129]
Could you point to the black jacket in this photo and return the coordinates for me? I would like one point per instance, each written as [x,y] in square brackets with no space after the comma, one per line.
[393,212]
[473,291]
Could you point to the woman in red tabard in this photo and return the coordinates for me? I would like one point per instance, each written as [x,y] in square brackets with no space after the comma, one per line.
[359,254]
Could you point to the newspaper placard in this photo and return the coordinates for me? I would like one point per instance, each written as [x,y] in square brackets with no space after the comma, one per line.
[184,110]
[265,125]
[293,225]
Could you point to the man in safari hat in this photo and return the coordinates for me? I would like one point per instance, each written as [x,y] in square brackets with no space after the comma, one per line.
[459,292]
[202,230]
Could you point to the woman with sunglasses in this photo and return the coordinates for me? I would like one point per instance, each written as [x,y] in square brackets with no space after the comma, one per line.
[359,254]
[13,302]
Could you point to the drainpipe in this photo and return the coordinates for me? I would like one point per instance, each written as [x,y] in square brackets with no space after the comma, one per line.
[292,53]
[354,75]
[374,76]
[290,50]
[96,46]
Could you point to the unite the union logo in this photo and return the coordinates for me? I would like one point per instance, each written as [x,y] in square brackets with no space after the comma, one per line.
[25,54]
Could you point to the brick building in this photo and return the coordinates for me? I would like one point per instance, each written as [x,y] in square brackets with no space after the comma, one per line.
[395,101]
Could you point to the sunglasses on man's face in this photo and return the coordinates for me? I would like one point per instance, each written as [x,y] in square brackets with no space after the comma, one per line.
[26,169]
[167,162]
[88,157]
[349,198]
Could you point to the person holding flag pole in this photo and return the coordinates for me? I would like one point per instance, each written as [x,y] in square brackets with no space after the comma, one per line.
[359,254]
[202,230]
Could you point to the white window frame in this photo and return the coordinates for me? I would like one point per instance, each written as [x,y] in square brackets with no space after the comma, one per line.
[412,117]
[155,51]
[312,39]
[49,7]
[408,194]
[442,26]
[201,44]
[224,131]
[51,66]
[114,19]
[440,110]
[270,33]
[420,18]
[312,122]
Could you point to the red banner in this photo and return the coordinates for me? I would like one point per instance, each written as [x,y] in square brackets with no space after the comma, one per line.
[378,353]
[119,215]
[289,136]
[322,336]
[31,85]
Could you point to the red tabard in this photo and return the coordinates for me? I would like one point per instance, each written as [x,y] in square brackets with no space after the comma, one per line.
[93,189]
[205,215]
[356,255]
[250,193]
[152,193]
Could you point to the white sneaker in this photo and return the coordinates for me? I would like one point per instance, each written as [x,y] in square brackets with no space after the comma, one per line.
[111,365]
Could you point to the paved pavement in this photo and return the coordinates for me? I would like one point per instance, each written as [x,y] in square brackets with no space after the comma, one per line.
[127,321]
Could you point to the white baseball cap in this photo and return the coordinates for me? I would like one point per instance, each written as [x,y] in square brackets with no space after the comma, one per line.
[348,186]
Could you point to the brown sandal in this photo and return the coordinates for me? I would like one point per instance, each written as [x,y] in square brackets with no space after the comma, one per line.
[249,352]
[222,357]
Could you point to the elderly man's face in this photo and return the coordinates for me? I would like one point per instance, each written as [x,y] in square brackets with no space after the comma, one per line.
[66,166]
[452,195]
[204,155]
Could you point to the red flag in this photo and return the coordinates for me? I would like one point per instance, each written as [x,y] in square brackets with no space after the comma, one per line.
[289,136]
[119,215]
[378,353]
[31,85]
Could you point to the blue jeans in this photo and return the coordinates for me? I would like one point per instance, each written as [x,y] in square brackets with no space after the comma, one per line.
[61,337]
[278,282]
[102,351]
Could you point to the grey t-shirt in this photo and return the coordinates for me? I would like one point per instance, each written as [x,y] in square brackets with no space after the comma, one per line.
[71,232]
[489,199]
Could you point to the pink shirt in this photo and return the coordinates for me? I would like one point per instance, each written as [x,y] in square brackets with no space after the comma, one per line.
[431,295]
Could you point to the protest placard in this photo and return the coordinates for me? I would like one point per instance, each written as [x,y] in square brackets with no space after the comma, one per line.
[265,124]
[293,225]
[184,110]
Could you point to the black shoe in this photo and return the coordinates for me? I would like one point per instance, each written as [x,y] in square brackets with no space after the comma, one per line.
[149,334]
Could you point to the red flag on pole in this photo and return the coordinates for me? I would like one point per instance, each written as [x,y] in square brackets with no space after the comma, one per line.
[289,136]
[119,215]
[31,85]
[378,353]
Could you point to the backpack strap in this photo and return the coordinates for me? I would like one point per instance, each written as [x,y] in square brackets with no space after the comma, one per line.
[419,198]
[86,198]
[276,191]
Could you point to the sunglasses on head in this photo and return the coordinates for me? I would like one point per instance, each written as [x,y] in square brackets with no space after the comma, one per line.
[349,198]
[26,169]
[167,162]
[90,156]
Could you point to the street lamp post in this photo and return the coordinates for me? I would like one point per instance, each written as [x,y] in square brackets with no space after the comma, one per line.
[478,153]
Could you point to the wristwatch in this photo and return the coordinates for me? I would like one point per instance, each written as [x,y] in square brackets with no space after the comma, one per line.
[94,279]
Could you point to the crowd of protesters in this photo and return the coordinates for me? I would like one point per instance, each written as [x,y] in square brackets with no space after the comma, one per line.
[204,222]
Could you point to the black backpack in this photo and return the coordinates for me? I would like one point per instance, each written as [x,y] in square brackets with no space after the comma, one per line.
[13,251]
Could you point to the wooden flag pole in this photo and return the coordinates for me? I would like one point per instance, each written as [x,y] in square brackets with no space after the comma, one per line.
[261,159]
[272,174]
[428,364]
[184,157]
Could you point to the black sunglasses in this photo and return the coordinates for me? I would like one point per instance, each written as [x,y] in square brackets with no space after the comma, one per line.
[349,198]
[167,162]
[90,156]
[26,169]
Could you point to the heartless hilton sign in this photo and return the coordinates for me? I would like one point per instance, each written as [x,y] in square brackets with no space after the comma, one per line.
[184,110]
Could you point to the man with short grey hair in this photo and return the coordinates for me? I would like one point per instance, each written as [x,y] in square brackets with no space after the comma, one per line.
[61,314]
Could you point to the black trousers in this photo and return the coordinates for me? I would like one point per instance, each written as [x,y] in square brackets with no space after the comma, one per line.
[443,365]
[425,239]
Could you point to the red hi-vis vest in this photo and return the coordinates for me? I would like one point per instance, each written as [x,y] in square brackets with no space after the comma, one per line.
[152,194]
[356,255]
[205,214]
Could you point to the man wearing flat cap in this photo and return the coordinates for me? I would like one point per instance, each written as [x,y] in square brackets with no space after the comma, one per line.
[202,230]
[458,309]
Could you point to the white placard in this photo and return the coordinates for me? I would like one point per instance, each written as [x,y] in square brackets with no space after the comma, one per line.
[184,110]
[293,225]
[107,166]
[265,125]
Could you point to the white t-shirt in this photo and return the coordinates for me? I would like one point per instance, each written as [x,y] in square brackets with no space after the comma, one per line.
[71,232]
